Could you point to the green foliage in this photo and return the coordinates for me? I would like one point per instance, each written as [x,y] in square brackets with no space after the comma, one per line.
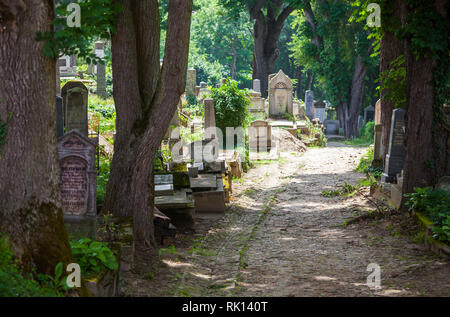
[14,283]
[97,21]
[103,178]
[392,82]
[435,204]
[231,105]
[93,256]
[365,165]
[313,130]
[4,131]
[191,99]
[346,190]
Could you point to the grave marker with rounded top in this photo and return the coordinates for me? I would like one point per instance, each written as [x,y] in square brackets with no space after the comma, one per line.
[75,106]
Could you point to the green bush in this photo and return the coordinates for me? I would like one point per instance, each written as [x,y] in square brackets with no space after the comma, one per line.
[14,283]
[93,256]
[102,178]
[435,204]
[231,106]
[367,132]
[365,164]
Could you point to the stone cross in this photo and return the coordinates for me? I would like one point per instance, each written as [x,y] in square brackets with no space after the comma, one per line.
[101,70]
[75,107]
[309,101]
[396,153]
[78,177]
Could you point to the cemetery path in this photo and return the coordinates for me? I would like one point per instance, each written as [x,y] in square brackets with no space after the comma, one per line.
[281,237]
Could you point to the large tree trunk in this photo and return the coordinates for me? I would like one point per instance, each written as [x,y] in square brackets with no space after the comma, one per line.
[266,32]
[146,99]
[30,204]
[426,137]
[391,48]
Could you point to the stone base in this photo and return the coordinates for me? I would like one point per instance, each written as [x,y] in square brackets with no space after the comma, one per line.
[396,195]
[210,201]
[386,178]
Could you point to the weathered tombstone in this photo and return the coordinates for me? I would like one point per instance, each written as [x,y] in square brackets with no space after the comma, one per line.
[378,112]
[296,109]
[280,95]
[191,81]
[210,116]
[260,136]
[78,178]
[67,65]
[101,70]
[377,154]
[319,110]
[331,127]
[59,117]
[369,114]
[257,103]
[396,153]
[75,107]
[257,85]
[309,101]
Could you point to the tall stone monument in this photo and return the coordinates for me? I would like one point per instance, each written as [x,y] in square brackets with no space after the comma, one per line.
[309,102]
[396,153]
[75,107]
[191,81]
[101,70]
[377,153]
[319,110]
[257,85]
[280,95]
[210,116]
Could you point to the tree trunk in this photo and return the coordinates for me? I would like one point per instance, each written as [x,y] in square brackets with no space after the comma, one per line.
[357,95]
[426,137]
[146,99]
[266,32]
[30,213]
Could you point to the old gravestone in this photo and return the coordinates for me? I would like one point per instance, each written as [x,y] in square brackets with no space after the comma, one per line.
[319,110]
[78,178]
[369,114]
[396,152]
[309,101]
[210,117]
[75,107]
[280,95]
[260,136]
[101,70]
[377,153]
[257,85]
[191,81]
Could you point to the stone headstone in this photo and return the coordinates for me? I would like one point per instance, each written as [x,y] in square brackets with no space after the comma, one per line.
[309,102]
[331,127]
[210,116]
[260,136]
[280,95]
[377,154]
[396,153]
[67,65]
[369,114]
[378,112]
[319,110]
[78,177]
[257,85]
[59,117]
[256,103]
[75,107]
[101,70]
[191,81]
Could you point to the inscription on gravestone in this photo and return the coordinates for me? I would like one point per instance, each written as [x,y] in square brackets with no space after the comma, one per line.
[396,152]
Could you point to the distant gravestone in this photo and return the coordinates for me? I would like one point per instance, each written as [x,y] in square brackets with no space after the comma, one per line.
[75,107]
[377,154]
[59,117]
[260,136]
[378,112]
[78,177]
[210,116]
[309,102]
[191,81]
[319,110]
[369,114]
[203,91]
[396,152]
[257,85]
[101,70]
[280,95]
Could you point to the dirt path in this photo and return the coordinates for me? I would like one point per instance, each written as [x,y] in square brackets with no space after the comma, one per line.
[283,238]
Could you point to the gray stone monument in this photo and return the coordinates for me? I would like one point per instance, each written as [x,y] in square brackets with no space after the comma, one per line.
[257,85]
[210,116]
[309,102]
[78,178]
[319,110]
[101,70]
[191,81]
[59,117]
[280,95]
[75,107]
[260,136]
[369,114]
[396,153]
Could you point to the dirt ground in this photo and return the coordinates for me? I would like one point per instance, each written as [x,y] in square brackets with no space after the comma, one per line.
[281,237]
